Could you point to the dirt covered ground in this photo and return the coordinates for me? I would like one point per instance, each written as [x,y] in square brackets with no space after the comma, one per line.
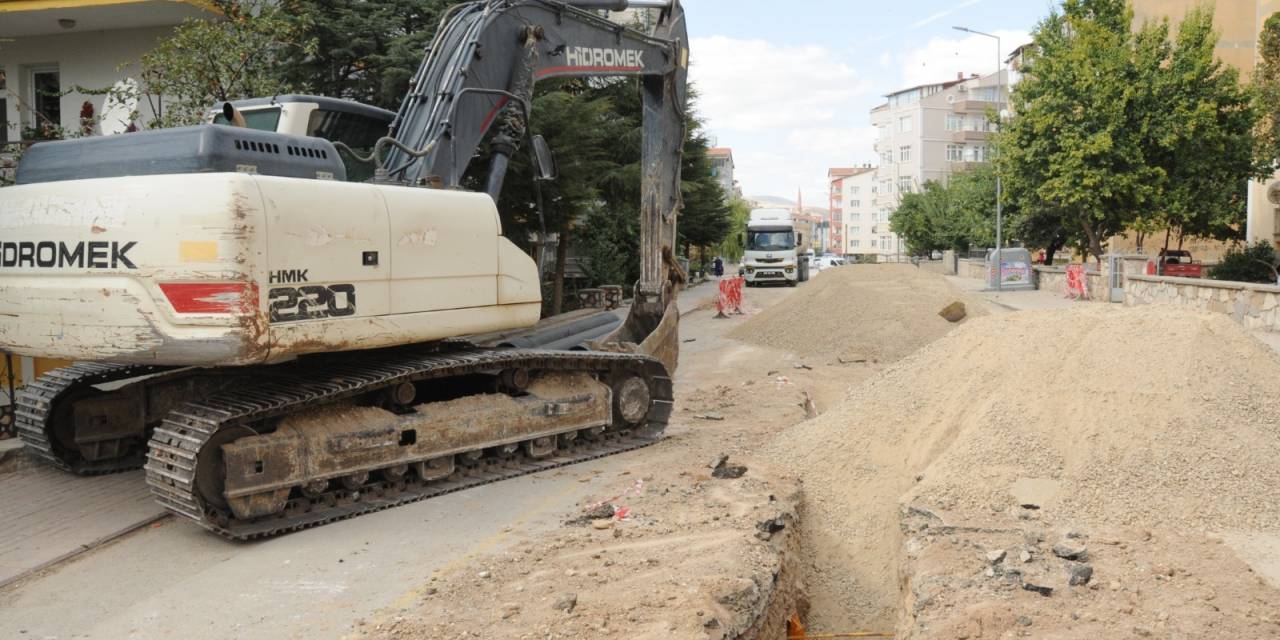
[686,553]
[1052,474]
[1078,473]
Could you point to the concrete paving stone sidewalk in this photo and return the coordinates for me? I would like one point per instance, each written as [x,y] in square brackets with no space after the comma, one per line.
[47,515]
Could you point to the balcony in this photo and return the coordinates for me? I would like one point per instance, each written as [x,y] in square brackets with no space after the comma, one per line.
[962,137]
[958,166]
[974,106]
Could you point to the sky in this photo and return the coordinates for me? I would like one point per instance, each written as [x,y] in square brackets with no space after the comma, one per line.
[789,84]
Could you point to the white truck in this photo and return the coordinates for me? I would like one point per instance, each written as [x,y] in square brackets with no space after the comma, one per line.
[771,242]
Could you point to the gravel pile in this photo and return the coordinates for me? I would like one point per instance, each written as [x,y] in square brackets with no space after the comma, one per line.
[1115,417]
[872,312]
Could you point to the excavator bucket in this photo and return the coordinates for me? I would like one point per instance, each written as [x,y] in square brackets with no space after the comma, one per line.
[641,334]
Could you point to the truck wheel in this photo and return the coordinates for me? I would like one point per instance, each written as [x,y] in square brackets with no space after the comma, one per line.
[791,283]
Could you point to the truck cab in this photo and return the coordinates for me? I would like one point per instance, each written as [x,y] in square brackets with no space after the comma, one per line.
[771,242]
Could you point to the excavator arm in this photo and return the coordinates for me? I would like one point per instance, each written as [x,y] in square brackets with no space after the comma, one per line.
[478,76]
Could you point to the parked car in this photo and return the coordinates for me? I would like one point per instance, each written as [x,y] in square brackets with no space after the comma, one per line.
[826,262]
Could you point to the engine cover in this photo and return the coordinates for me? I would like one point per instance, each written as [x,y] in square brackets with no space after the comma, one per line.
[207,148]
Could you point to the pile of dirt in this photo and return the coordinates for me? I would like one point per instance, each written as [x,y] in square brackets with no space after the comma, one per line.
[1092,417]
[872,312]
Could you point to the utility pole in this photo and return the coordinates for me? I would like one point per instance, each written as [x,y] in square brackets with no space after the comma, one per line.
[999,194]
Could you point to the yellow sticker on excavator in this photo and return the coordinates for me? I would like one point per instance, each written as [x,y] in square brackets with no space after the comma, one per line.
[197,251]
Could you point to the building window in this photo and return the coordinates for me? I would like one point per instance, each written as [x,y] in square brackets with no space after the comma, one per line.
[857,217]
[904,184]
[45,95]
[855,203]
[855,229]
[886,158]
[853,190]
[904,154]
[954,122]
[955,152]
[904,124]
[854,243]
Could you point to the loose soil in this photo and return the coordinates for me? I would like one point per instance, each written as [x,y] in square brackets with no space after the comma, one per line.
[1143,430]
[864,312]
[693,555]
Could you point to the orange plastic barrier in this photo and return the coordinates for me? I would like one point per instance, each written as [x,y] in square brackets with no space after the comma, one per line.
[1077,284]
[730,296]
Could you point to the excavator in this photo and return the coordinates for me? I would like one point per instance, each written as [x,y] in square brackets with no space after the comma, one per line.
[280,347]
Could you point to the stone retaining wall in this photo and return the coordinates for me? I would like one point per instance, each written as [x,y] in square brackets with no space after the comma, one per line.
[1054,279]
[973,269]
[1252,305]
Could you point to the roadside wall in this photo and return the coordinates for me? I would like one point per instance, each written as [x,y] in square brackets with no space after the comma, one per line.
[973,269]
[1054,280]
[1252,305]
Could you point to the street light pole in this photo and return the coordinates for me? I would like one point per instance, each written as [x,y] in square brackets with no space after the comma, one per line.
[999,191]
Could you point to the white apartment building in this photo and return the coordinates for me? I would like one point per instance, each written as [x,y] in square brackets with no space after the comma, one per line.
[928,133]
[853,209]
[48,48]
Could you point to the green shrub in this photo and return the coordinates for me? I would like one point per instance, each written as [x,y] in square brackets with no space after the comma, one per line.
[1250,264]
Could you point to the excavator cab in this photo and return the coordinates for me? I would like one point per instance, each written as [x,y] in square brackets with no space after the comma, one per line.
[356,125]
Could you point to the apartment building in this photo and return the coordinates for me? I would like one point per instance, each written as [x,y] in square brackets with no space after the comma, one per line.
[835,206]
[722,169]
[852,209]
[930,132]
[49,49]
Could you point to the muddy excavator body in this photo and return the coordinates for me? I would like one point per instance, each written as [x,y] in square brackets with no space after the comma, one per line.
[282,346]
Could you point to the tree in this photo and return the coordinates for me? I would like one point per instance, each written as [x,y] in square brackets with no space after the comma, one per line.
[1075,149]
[920,216]
[955,215]
[704,221]
[366,51]
[1266,79]
[732,247]
[1119,130]
[973,209]
[206,62]
[1202,138]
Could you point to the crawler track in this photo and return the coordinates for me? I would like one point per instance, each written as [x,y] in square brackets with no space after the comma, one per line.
[173,459]
[37,407]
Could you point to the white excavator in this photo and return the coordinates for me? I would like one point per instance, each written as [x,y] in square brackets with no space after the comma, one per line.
[279,346]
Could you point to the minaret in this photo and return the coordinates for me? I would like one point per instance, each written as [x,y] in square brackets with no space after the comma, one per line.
[799,202]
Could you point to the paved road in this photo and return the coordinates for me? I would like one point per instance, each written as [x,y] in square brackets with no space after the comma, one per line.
[173,580]
[46,514]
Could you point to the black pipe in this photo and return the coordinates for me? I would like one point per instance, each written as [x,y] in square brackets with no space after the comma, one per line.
[536,339]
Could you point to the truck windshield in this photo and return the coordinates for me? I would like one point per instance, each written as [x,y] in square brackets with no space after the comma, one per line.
[770,240]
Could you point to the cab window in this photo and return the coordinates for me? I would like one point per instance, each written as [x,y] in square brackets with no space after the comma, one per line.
[354,130]
[260,119]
